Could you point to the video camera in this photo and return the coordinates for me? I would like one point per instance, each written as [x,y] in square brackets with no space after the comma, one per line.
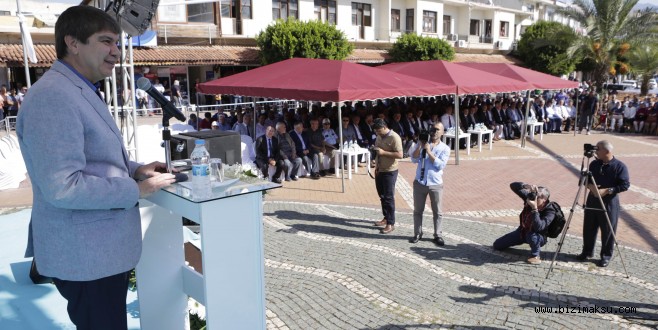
[424,135]
[589,150]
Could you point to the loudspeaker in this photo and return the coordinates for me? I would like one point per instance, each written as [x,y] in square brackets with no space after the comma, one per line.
[220,144]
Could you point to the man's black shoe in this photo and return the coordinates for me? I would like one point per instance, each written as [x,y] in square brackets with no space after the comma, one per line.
[581,257]
[439,241]
[416,238]
[315,176]
[277,180]
[294,178]
[604,263]
[323,172]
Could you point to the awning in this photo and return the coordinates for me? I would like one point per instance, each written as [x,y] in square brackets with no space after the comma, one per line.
[323,80]
[468,80]
[539,80]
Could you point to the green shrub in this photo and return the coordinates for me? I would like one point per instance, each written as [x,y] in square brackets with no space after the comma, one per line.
[287,39]
[412,47]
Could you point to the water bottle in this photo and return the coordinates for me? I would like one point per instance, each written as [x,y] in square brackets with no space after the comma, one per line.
[200,171]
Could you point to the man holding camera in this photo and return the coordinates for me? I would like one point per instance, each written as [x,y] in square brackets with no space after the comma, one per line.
[534,220]
[612,178]
[432,157]
[388,148]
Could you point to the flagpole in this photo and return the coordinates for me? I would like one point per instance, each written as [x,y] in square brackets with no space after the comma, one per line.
[27,68]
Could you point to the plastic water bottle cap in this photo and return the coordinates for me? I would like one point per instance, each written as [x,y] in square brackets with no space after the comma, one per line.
[199,142]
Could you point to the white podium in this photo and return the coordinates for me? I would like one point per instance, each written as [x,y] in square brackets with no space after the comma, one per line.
[232,286]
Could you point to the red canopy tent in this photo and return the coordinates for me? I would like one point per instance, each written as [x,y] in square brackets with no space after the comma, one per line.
[323,80]
[467,80]
[537,79]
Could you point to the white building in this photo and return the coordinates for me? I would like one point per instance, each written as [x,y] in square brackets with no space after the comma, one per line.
[221,34]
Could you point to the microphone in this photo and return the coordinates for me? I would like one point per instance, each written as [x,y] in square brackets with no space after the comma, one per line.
[168,108]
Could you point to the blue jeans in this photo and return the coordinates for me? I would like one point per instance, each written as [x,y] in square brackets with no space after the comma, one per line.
[535,240]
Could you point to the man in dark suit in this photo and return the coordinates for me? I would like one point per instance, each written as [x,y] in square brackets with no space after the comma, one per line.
[304,150]
[267,153]
[501,120]
[367,131]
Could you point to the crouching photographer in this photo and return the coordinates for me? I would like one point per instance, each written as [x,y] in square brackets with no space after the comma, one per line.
[536,216]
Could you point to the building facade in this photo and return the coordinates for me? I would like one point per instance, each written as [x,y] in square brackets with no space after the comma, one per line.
[206,40]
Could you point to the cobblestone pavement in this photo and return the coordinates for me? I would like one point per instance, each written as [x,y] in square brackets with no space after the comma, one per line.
[327,267]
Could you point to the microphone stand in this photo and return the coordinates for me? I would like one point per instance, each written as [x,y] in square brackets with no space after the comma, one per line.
[166,137]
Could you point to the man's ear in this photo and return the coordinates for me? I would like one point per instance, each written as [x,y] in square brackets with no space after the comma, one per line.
[72,44]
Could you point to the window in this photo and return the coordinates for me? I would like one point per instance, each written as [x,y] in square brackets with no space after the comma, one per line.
[410,21]
[325,11]
[201,13]
[475,27]
[226,8]
[246,9]
[446,25]
[504,29]
[282,9]
[429,21]
[361,14]
[395,20]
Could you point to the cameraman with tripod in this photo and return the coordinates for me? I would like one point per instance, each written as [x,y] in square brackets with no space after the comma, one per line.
[611,177]
[432,157]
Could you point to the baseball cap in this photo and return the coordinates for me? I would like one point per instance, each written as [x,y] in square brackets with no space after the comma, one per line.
[326,121]
[214,123]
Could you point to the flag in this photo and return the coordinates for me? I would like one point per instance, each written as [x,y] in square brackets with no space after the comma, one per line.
[28,46]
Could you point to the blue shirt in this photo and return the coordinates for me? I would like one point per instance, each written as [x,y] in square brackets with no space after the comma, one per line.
[433,170]
[92,86]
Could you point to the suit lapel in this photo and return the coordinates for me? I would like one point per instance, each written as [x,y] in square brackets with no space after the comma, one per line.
[98,106]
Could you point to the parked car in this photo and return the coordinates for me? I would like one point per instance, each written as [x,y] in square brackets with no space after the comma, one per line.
[613,88]
[630,83]
[653,84]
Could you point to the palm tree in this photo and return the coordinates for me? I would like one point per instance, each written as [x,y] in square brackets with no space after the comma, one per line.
[644,61]
[611,28]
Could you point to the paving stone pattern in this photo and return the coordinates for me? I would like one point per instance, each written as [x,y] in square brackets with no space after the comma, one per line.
[328,268]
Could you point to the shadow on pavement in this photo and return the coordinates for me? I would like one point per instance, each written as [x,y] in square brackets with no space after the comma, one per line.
[644,313]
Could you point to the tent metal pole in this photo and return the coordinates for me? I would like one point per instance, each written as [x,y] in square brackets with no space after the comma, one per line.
[525,121]
[456,114]
[340,145]
[577,112]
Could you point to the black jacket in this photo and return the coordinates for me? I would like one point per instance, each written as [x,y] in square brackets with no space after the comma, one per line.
[261,149]
[540,220]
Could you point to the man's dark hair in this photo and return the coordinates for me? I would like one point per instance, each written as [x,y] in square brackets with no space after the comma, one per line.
[379,123]
[80,22]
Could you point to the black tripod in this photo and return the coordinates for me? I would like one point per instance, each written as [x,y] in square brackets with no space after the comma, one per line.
[585,178]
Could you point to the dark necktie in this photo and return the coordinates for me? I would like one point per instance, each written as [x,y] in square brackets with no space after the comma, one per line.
[269,148]
[449,121]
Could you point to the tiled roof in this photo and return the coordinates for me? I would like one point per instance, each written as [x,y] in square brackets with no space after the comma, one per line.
[12,55]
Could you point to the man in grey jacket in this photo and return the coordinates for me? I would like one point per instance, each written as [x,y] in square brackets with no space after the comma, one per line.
[85,229]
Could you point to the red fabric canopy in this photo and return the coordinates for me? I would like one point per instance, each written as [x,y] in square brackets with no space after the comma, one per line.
[537,79]
[468,80]
[323,80]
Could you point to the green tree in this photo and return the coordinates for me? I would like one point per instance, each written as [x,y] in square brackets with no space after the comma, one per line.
[313,39]
[644,62]
[611,28]
[543,48]
[412,47]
